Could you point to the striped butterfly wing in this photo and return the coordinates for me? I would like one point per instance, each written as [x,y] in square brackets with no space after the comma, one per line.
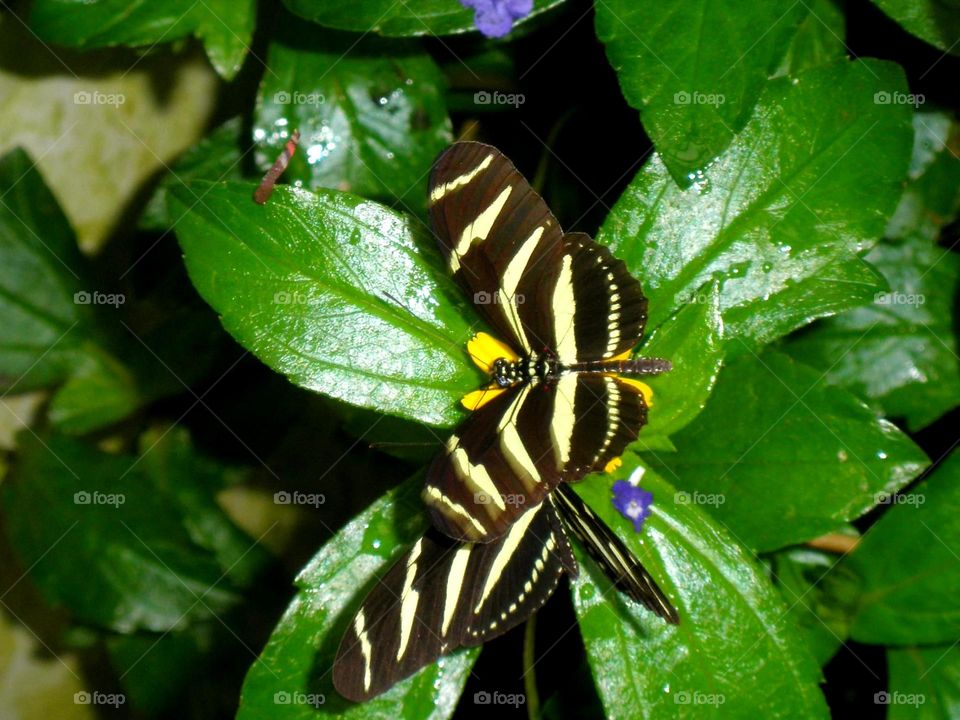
[513,451]
[443,595]
[499,239]
[613,557]
[597,306]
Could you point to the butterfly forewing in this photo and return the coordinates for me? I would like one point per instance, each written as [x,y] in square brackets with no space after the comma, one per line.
[443,595]
[499,240]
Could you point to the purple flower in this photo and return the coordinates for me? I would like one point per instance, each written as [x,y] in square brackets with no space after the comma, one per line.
[632,502]
[494,18]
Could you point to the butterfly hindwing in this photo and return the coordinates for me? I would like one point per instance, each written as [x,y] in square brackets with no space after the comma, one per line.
[614,558]
[442,595]
[498,464]
[597,306]
[499,239]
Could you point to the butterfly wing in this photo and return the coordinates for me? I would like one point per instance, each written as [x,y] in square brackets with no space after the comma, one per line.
[598,308]
[514,450]
[614,558]
[499,240]
[443,595]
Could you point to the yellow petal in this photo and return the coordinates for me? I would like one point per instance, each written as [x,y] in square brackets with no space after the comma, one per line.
[484,349]
[479,398]
[613,465]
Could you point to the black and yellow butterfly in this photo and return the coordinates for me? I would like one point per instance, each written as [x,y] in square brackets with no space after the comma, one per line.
[558,408]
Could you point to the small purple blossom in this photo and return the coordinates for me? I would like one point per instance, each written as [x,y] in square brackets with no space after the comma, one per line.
[632,502]
[494,18]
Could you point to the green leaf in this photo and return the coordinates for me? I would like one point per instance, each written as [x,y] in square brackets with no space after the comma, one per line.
[932,197]
[103,535]
[224,26]
[734,652]
[693,340]
[819,40]
[820,597]
[98,392]
[41,271]
[216,157]
[910,566]
[778,458]
[899,353]
[695,70]
[780,217]
[924,683]
[370,112]
[386,17]
[294,667]
[935,21]
[51,332]
[338,293]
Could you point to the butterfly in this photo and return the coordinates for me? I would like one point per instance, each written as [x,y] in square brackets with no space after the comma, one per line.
[561,403]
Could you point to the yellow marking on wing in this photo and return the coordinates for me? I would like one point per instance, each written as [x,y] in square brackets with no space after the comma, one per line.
[484,349]
[478,398]
[625,355]
[645,389]
[613,465]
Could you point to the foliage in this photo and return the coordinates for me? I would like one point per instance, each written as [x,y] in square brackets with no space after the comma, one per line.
[227,409]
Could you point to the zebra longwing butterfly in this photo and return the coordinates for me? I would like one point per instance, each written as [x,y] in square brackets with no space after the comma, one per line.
[556,410]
